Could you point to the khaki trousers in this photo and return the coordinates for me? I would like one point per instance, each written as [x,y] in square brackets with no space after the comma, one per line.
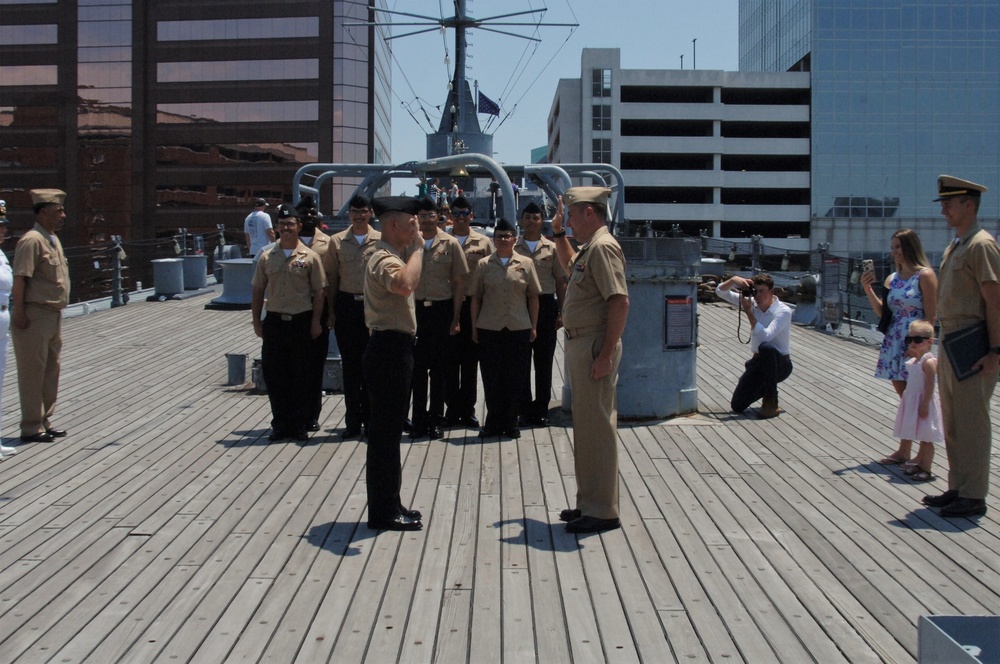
[965,407]
[595,423]
[37,351]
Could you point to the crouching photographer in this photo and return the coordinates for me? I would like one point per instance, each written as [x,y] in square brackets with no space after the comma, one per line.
[770,322]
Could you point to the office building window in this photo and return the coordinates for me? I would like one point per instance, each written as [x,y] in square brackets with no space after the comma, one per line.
[602,83]
[602,151]
[602,117]
[238,28]
[236,70]
[239,111]
[11,75]
[28,34]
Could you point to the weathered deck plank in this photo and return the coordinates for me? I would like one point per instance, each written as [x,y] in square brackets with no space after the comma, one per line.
[167,528]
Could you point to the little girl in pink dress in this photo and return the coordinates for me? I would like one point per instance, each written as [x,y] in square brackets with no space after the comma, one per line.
[919,414]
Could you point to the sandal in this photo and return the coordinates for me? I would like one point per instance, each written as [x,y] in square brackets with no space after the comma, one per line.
[922,476]
[892,461]
[910,468]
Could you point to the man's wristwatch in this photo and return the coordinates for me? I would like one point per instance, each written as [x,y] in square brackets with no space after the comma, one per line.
[561,233]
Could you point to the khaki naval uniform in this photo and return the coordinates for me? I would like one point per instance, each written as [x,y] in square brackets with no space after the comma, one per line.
[321,246]
[596,273]
[346,293]
[388,370]
[503,326]
[463,367]
[290,283]
[444,261]
[973,260]
[543,348]
[40,259]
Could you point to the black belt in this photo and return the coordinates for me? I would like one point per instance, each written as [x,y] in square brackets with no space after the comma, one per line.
[288,317]
[354,297]
[393,334]
[431,303]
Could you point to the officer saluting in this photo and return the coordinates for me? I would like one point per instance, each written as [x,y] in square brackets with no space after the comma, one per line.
[388,361]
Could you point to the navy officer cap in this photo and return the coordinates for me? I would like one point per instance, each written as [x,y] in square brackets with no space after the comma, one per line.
[395,203]
[950,186]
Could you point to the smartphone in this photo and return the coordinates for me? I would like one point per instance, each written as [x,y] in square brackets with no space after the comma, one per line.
[867,265]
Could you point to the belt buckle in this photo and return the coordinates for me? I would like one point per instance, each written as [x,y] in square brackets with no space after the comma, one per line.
[359,297]
[286,317]
[428,303]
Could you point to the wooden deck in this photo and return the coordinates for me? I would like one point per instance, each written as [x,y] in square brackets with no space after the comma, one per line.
[166,528]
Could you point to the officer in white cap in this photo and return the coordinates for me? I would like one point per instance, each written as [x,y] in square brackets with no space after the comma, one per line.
[40,293]
[968,295]
[594,318]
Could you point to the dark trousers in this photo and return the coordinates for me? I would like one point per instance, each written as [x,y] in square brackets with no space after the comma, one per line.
[506,362]
[286,351]
[317,368]
[388,368]
[763,373]
[352,338]
[430,361]
[463,369]
[543,349]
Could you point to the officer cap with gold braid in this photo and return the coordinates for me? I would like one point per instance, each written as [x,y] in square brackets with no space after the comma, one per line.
[949,186]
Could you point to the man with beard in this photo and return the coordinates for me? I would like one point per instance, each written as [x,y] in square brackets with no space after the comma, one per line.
[293,278]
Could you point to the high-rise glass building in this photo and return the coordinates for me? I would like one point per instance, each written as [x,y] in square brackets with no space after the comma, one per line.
[178,113]
[902,90]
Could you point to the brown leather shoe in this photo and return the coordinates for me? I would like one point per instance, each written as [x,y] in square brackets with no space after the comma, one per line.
[769,408]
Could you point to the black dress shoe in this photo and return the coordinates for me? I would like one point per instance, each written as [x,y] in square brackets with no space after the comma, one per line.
[591,524]
[408,425]
[512,433]
[471,421]
[351,432]
[540,421]
[570,515]
[399,522]
[313,426]
[56,433]
[524,422]
[946,498]
[964,507]
[488,432]
[434,431]
[44,437]
[410,514]
[277,435]
[301,436]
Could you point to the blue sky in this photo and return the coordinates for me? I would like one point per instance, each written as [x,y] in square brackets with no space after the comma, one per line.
[652,34]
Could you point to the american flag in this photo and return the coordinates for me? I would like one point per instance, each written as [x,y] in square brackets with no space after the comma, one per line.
[488,106]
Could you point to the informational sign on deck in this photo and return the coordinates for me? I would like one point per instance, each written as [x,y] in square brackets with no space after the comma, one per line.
[678,322]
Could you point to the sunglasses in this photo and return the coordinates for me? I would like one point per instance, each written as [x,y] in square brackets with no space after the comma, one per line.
[915,340]
[504,236]
[461,213]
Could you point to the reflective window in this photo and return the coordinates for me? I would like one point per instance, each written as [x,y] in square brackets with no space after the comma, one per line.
[602,151]
[238,28]
[228,154]
[28,34]
[11,75]
[236,70]
[250,111]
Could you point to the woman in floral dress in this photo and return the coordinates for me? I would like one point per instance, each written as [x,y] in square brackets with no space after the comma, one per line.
[912,296]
